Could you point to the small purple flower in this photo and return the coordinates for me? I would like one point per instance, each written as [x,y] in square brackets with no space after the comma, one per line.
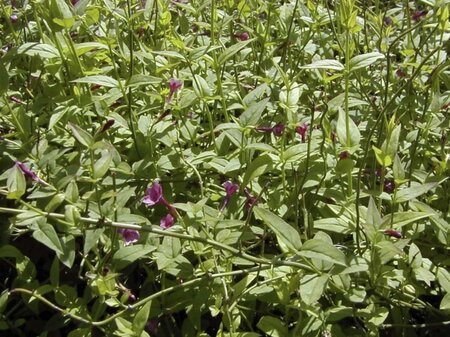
[16,100]
[250,200]
[244,36]
[301,130]
[29,173]
[389,186]
[393,233]
[14,18]
[230,189]
[129,235]
[154,195]
[278,129]
[387,21]
[174,86]
[401,73]
[418,15]
[344,155]
[74,2]
[107,125]
[166,222]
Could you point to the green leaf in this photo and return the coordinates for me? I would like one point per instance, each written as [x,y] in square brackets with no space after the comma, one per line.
[47,235]
[67,257]
[231,51]
[412,192]
[445,303]
[141,318]
[91,239]
[4,79]
[201,87]
[288,238]
[312,287]
[101,166]
[252,114]
[61,13]
[373,220]
[382,158]
[126,255]
[81,135]
[391,148]
[398,170]
[341,130]
[364,60]
[139,79]
[84,47]
[400,219]
[102,80]
[38,49]
[259,166]
[325,64]
[3,300]
[272,326]
[15,183]
[318,249]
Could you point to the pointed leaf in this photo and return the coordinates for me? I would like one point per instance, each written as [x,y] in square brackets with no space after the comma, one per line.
[102,80]
[259,166]
[364,60]
[325,64]
[412,192]
[229,52]
[47,235]
[252,114]
[126,255]
[81,135]
[141,318]
[38,49]
[318,249]
[288,238]
[341,130]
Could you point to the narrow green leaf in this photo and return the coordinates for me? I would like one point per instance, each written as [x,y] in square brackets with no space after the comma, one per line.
[325,64]
[103,80]
[38,49]
[341,129]
[391,148]
[4,79]
[252,114]
[47,235]
[288,238]
[81,135]
[445,303]
[15,183]
[126,255]
[141,318]
[101,166]
[312,287]
[400,219]
[365,60]
[318,249]
[201,87]
[139,79]
[61,13]
[231,51]
[3,300]
[272,326]
[259,166]
[398,170]
[91,239]
[412,192]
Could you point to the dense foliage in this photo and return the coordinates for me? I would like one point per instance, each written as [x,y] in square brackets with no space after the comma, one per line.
[229,168]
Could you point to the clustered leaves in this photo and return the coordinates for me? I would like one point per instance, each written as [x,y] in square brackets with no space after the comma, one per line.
[207,168]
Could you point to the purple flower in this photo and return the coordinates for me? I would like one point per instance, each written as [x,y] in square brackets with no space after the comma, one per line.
[250,200]
[301,130]
[16,100]
[29,173]
[230,189]
[387,21]
[244,36]
[401,73]
[74,2]
[14,18]
[389,186]
[344,155]
[174,86]
[154,195]
[418,15]
[129,235]
[393,233]
[277,130]
[107,125]
[166,222]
